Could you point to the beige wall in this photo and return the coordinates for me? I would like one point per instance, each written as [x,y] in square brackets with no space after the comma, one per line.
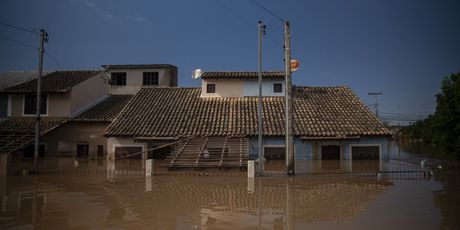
[134,78]
[58,105]
[114,142]
[224,88]
[63,140]
[88,92]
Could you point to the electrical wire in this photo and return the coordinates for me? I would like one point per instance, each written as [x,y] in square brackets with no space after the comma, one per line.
[268,11]
[18,42]
[236,15]
[246,22]
[19,28]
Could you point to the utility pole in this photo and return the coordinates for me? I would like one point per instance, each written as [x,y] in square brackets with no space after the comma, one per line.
[376,94]
[288,85]
[262,28]
[41,50]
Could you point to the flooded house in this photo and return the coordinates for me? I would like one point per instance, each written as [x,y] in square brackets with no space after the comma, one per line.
[77,107]
[215,125]
[64,94]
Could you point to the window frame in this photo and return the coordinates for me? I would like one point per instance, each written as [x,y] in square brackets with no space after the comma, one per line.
[45,113]
[151,80]
[114,78]
[275,85]
[210,87]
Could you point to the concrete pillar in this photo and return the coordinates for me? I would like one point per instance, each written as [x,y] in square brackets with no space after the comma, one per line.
[251,169]
[149,170]
[251,184]
[4,165]
[110,168]
[148,183]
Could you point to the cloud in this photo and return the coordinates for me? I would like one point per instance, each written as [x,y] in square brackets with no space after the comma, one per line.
[89,3]
[108,15]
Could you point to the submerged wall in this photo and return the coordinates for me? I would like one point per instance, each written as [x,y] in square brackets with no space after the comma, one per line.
[63,140]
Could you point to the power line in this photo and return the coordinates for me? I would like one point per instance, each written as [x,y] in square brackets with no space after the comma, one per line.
[19,28]
[245,21]
[53,59]
[18,42]
[236,15]
[268,11]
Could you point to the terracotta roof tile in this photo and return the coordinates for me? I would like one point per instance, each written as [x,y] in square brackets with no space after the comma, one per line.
[176,112]
[104,111]
[55,82]
[18,132]
[12,78]
[27,124]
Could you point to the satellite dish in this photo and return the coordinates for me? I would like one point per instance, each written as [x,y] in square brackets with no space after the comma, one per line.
[197,73]
[294,65]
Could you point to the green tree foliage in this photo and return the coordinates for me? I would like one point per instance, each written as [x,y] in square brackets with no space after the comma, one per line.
[442,129]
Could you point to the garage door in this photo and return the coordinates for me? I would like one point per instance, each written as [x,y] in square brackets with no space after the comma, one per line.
[121,152]
[365,152]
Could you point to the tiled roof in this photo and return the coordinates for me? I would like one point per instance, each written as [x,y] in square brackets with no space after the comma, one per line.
[104,111]
[12,78]
[27,124]
[241,74]
[178,112]
[136,66]
[16,133]
[55,82]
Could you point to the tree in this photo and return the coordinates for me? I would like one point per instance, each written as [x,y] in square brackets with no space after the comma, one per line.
[442,129]
[446,125]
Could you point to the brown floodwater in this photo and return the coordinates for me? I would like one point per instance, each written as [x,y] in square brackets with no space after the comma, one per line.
[90,199]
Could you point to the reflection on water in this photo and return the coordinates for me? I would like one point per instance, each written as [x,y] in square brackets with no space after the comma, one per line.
[178,202]
[340,200]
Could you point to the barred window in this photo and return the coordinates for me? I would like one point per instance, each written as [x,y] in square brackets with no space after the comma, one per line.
[210,88]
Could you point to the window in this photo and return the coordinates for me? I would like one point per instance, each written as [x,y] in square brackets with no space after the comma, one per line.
[30,104]
[150,78]
[118,78]
[277,88]
[82,150]
[210,88]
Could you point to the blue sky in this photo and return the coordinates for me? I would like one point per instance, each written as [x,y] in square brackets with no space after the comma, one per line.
[402,48]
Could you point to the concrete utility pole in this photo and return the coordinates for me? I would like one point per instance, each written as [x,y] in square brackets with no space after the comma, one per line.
[288,85]
[262,28]
[41,50]
[376,94]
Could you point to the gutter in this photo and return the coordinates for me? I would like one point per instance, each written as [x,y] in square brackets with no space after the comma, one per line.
[308,138]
